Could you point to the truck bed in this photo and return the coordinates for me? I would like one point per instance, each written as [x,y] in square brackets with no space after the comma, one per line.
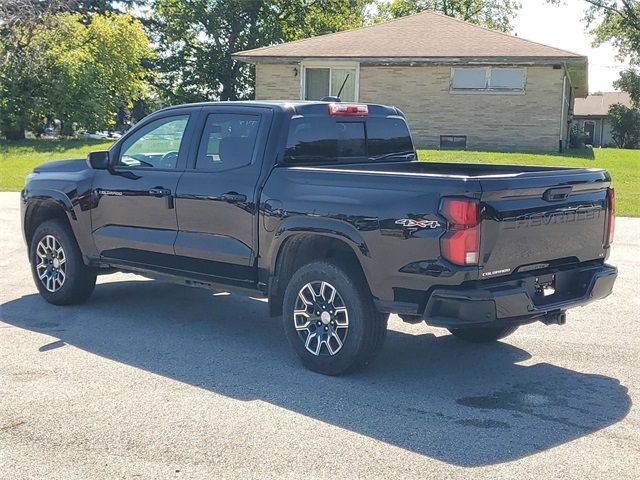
[531,216]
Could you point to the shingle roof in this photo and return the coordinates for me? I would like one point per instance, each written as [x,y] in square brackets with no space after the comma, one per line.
[598,104]
[426,35]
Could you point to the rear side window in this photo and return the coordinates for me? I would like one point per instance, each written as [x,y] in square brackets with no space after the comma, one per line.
[327,139]
[228,141]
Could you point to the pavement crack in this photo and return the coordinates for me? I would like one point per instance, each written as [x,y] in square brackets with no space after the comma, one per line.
[12,425]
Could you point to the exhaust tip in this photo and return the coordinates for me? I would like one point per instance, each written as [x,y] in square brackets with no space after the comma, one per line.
[555,318]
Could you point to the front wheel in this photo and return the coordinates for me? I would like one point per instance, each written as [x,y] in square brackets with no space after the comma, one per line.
[483,334]
[330,319]
[58,270]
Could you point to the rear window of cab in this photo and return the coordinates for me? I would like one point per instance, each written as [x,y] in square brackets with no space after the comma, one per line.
[319,139]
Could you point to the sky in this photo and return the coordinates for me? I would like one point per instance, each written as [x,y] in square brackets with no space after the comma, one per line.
[562,27]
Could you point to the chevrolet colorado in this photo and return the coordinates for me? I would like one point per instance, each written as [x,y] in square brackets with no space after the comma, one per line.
[324,209]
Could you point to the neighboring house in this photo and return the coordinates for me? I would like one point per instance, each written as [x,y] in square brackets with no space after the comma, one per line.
[591,114]
[459,84]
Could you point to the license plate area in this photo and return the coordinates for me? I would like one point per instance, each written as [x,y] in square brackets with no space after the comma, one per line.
[557,286]
[545,285]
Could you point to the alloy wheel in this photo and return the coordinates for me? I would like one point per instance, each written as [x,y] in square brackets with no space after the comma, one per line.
[321,318]
[51,266]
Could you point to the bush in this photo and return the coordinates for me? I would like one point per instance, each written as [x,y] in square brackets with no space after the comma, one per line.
[625,125]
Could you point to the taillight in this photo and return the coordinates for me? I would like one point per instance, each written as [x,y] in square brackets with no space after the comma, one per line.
[461,244]
[348,109]
[611,197]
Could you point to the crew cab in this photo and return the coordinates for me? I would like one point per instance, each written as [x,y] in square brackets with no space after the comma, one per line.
[324,209]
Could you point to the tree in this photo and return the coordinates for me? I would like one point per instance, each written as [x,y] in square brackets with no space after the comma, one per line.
[65,67]
[20,62]
[625,125]
[617,21]
[625,121]
[496,14]
[94,70]
[196,38]
[629,82]
[29,32]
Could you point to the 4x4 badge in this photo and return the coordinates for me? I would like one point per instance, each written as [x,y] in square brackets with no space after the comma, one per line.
[412,223]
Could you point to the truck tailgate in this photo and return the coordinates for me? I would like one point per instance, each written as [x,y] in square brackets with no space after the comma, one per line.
[537,219]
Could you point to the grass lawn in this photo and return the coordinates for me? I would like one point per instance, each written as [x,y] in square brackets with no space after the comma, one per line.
[622,165]
[17,159]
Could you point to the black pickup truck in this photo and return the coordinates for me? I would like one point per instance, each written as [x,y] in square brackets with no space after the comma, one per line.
[324,209]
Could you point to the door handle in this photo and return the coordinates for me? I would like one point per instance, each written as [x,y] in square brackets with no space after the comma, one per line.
[159,192]
[233,197]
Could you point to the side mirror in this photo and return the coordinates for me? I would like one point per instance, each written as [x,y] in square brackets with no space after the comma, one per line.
[98,160]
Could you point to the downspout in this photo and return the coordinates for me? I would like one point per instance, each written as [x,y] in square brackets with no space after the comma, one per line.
[564,98]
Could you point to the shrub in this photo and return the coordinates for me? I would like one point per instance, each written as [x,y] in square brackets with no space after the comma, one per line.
[625,125]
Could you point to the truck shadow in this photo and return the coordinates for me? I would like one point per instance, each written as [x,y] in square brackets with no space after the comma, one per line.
[464,404]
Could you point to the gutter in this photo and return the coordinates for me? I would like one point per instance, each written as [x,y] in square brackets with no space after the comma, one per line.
[564,99]
[414,60]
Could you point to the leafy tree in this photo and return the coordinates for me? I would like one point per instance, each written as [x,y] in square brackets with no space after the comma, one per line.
[93,70]
[496,14]
[29,34]
[59,65]
[617,21]
[196,38]
[629,82]
[625,125]
[21,63]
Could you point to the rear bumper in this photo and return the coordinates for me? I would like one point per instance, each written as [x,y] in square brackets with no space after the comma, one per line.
[517,300]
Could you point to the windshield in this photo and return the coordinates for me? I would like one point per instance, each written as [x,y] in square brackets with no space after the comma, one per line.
[319,139]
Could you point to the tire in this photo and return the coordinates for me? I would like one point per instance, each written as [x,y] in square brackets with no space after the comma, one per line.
[342,348]
[72,282]
[483,334]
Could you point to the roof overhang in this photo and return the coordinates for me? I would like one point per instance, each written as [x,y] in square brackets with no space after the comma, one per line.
[578,74]
[414,60]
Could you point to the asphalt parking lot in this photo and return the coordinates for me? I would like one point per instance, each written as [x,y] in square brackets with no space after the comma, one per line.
[153,380]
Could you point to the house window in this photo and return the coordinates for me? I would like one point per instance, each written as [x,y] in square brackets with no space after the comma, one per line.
[326,81]
[457,142]
[487,79]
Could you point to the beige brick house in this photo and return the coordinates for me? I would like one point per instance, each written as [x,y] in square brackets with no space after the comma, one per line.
[460,85]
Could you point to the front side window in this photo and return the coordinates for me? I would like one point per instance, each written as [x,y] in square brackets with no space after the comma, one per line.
[228,141]
[488,79]
[320,82]
[155,145]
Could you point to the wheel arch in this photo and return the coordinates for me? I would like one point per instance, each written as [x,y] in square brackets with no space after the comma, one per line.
[297,248]
[41,209]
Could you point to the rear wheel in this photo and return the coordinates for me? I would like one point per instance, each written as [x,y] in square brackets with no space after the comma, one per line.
[330,319]
[58,270]
[483,334]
